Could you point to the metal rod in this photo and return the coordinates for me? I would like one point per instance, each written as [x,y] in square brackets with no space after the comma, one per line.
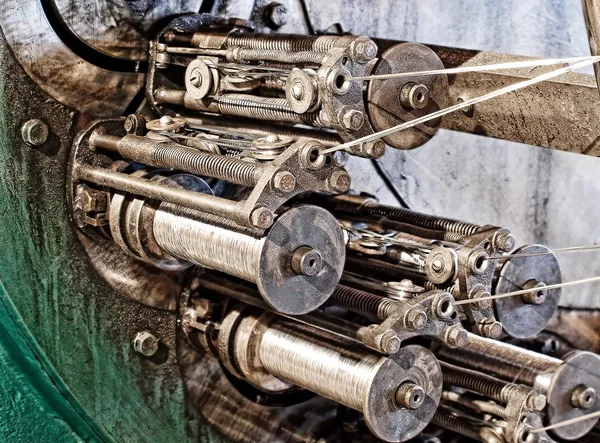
[145,188]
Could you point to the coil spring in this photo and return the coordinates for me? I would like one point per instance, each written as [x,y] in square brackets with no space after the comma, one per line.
[263,108]
[432,234]
[447,419]
[232,170]
[311,57]
[475,381]
[421,220]
[381,270]
[285,42]
[370,305]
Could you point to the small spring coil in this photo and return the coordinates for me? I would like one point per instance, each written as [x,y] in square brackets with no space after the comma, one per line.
[263,108]
[371,306]
[421,220]
[286,42]
[194,161]
[432,234]
[273,82]
[382,270]
[476,382]
[311,57]
[447,419]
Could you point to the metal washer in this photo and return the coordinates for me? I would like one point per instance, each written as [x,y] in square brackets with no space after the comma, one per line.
[300,226]
[519,319]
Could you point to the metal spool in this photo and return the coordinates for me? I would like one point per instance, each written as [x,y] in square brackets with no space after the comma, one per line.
[307,233]
[387,110]
[358,378]
[523,317]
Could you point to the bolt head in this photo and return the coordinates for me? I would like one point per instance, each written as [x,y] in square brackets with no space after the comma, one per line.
[456,337]
[166,120]
[284,181]
[490,328]
[375,149]
[353,119]
[390,342]
[536,401]
[262,217]
[276,15]
[363,51]
[35,132]
[145,343]
[298,91]
[272,138]
[505,242]
[416,319]
[339,181]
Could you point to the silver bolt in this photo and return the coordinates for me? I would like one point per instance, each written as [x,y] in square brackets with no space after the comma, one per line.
[437,265]
[145,343]
[272,138]
[262,217]
[456,336]
[339,181]
[196,78]
[307,261]
[505,242]
[389,342]
[353,119]
[363,51]
[415,319]
[583,397]
[375,149]
[35,132]
[485,304]
[536,401]
[284,181]
[490,328]
[410,395]
[276,15]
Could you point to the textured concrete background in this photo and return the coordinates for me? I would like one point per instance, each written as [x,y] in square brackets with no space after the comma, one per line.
[542,195]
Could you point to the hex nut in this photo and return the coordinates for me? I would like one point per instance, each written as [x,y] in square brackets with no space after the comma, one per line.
[145,343]
[276,15]
[261,217]
[456,337]
[35,132]
[339,181]
[375,149]
[389,342]
[416,319]
[284,181]
[353,119]
[490,328]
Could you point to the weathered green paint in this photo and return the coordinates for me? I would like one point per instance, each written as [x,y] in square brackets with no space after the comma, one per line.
[82,329]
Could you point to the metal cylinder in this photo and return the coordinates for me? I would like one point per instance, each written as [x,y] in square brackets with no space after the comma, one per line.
[175,156]
[355,377]
[266,261]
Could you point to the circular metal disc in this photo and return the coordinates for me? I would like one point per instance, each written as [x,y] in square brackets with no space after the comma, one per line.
[392,423]
[281,288]
[384,107]
[579,368]
[519,319]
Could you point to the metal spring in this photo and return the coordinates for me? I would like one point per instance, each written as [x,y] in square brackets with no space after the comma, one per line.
[421,220]
[287,42]
[475,403]
[432,234]
[476,382]
[311,57]
[448,419]
[273,82]
[182,234]
[370,305]
[264,108]
[191,160]
[318,362]
[381,270]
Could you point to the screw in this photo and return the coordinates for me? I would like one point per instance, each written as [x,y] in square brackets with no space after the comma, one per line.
[339,181]
[536,401]
[456,337]
[262,217]
[490,328]
[166,120]
[389,342]
[353,119]
[145,343]
[35,132]
[410,395]
[485,304]
[284,181]
[437,265]
[307,261]
[363,51]
[415,319]
[375,149]
[504,241]
[276,15]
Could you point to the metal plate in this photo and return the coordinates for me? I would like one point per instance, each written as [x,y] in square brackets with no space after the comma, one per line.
[385,109]
[286,291]
[519,319]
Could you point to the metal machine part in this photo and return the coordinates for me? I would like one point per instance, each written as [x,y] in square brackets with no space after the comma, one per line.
[294,283]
